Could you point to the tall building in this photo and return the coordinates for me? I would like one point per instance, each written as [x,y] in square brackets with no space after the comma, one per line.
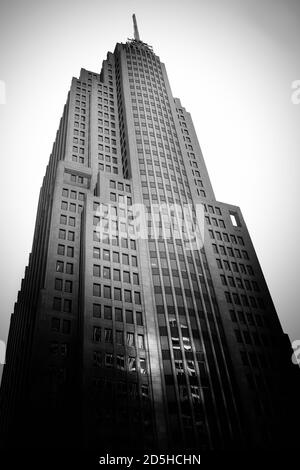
[143,320]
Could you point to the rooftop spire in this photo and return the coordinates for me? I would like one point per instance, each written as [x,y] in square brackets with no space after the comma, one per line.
[136,31]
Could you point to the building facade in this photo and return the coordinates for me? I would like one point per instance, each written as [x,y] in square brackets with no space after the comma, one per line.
[143,320]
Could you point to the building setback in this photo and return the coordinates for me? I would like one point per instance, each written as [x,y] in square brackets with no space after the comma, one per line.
[121,340]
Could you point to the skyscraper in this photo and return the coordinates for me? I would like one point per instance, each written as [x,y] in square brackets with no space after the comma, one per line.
[143,320]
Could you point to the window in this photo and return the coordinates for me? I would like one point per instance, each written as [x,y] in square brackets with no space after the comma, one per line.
[129,316]
[240,240]
[134,260]
[233,316]
[96,270]
[97,310]
[124,243]
[63,220]
[131,364]
[129,339]
[106,255]
[59,266]
[222,250]
[97,334]
[120,362]
[116,257]
[69,268]
[238,336]
[250,270]
[57,304]
[230,251]
[139,318]
[236,299]
[234,267]
[68,286]
[126,276]
[118,314]
[215,248]
[127,296]
[66,329]
[64,349]
[107,312]
[247,337]
[55,324]
[141,343]
[245,300]
[109,360]
[117,294]
[107,292]
[226,265]
[71,236]
[143,366]
[62,234]
[255,285]
[96,220]
[96,252]
[116,275]
[108,335]
[115,240]
[135,277]
[234,219]
[119,337]
[242,268]
[241,316]
[125,259]
[70,251]
[61,250]
[137,298]
[211,234]
[96,290]
[67,305]
[97,359]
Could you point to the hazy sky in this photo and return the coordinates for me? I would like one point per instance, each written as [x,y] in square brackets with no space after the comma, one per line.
[231,62]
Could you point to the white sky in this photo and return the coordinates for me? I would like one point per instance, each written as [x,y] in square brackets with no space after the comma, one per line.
[231,62]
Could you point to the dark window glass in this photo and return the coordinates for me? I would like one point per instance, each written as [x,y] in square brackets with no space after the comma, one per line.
[55,324]
[67,305]
[97,310]
[107,312]
[118,314]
